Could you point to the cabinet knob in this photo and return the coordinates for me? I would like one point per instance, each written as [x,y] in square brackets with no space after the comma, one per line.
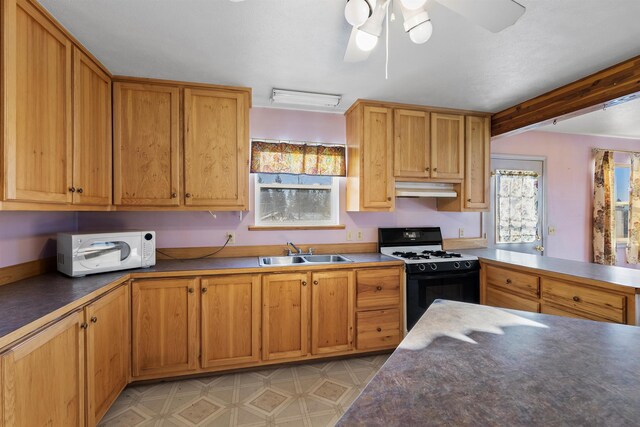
[315,282]
[187,195]
[80,190]
[72,189]
[435,169]
[174,195]
[378,288]
[426,169]
[389,199]
[576,298]
[191,290]
[508,281]
[84,325]
[469,200]
[304,283]
[204,290]
[379,329]
[94,319]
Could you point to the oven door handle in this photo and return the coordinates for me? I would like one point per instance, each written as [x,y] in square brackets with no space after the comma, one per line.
[438,276]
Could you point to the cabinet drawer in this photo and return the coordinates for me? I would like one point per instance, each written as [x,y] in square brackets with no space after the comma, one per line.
[497,298]
[377,288]
[606,305]
[377,329]
[557,311]
[522,283]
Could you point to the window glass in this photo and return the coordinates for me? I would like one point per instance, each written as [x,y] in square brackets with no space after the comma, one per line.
[622,182]
[516,207]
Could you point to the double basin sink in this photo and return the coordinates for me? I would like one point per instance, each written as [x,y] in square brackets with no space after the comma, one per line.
[302,259]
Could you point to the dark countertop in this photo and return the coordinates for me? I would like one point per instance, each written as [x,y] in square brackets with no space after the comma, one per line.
[604,273]
[29,300]
[466,364]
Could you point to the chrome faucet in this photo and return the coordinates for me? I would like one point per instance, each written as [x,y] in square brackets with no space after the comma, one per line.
[298,251]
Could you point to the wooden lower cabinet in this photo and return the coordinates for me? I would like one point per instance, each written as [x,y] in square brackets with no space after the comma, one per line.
[332,309]
[43,378]
[285,315]
[108,351]
[378,329]
[164,326]
[230,320]
[378,287]
[497,298]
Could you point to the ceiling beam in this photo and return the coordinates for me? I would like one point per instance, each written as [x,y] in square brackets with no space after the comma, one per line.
[611,86]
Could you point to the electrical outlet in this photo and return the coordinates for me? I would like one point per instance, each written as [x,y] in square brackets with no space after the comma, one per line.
[552,230]
[359,235]
[231,235]
[349,235]
[461,232]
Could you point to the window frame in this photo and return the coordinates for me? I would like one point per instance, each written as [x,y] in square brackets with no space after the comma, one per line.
[334,188]
[621,241]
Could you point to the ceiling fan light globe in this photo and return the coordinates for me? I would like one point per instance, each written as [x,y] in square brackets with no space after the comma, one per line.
[421,33]
[356,12]
[365,41]
[413,4]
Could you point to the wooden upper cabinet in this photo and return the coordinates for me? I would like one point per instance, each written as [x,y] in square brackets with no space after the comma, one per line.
[164,326]
[477,162]
[146,145]
[91,132]
[216,148]
[332,311]
[37,106]
[285,311]
[377,190]
[411,145]
[447,146]
[108,351]
[43,378]
[230,320]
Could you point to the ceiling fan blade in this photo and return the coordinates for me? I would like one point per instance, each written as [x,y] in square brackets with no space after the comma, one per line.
[494,15]
[353,52]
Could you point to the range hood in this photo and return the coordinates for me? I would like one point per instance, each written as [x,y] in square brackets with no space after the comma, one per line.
[424,189]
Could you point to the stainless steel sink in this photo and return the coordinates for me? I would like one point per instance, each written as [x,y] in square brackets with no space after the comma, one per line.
[316,259]
[306,259]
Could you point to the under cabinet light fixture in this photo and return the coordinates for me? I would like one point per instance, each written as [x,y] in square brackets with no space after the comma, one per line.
[283,96]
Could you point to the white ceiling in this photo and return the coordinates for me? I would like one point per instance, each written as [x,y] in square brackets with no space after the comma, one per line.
[299,44]
[622,121]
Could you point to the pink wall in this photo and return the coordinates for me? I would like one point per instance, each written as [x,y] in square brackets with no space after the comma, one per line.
[26,236]
[187,229]
[569,184]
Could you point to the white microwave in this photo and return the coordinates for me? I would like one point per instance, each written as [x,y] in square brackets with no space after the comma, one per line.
[82,254]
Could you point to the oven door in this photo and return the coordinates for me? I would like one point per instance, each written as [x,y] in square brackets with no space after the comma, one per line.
[423,289]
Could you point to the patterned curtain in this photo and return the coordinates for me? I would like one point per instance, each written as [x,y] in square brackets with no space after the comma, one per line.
[633,245]
[604,219]
[517,213]
[287,157]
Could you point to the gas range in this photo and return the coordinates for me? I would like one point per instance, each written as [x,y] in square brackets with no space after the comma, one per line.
[423,258]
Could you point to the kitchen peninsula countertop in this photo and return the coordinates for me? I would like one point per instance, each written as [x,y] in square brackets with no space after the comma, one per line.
[37,300]
[604,273]
[466,364]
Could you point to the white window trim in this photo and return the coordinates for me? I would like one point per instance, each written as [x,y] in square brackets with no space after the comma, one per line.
[335,203]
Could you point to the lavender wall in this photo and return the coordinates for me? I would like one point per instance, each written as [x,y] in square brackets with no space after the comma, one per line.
[569,185]
[190,229]
[26,236]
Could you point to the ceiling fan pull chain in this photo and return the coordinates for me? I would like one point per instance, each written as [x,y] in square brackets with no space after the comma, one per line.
[386,36]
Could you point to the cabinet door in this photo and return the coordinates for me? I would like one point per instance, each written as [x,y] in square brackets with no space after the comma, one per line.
[43,377]
[447,146]
[216,148]
[332,309]
[91,132]
[108,352]
[230,319]
[377,192]
[37,113]
[146,145]
[477,162]
[164,316]
[285,311]
[411,144]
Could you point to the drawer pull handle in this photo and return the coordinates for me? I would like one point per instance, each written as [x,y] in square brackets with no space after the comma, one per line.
[379,329]
[378,288]
[508,281]
[576,298]
[94,319]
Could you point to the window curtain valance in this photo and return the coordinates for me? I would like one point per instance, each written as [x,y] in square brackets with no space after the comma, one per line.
[297,158]
[633,244]
[604,219]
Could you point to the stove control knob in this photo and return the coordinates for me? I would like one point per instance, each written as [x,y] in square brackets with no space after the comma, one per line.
[421,267]
[467,264]
[456,265]
[433,266]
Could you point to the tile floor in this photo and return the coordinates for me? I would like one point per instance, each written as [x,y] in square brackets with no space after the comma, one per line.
[309,395]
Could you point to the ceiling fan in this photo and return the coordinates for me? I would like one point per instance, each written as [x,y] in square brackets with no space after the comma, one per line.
[368,16]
